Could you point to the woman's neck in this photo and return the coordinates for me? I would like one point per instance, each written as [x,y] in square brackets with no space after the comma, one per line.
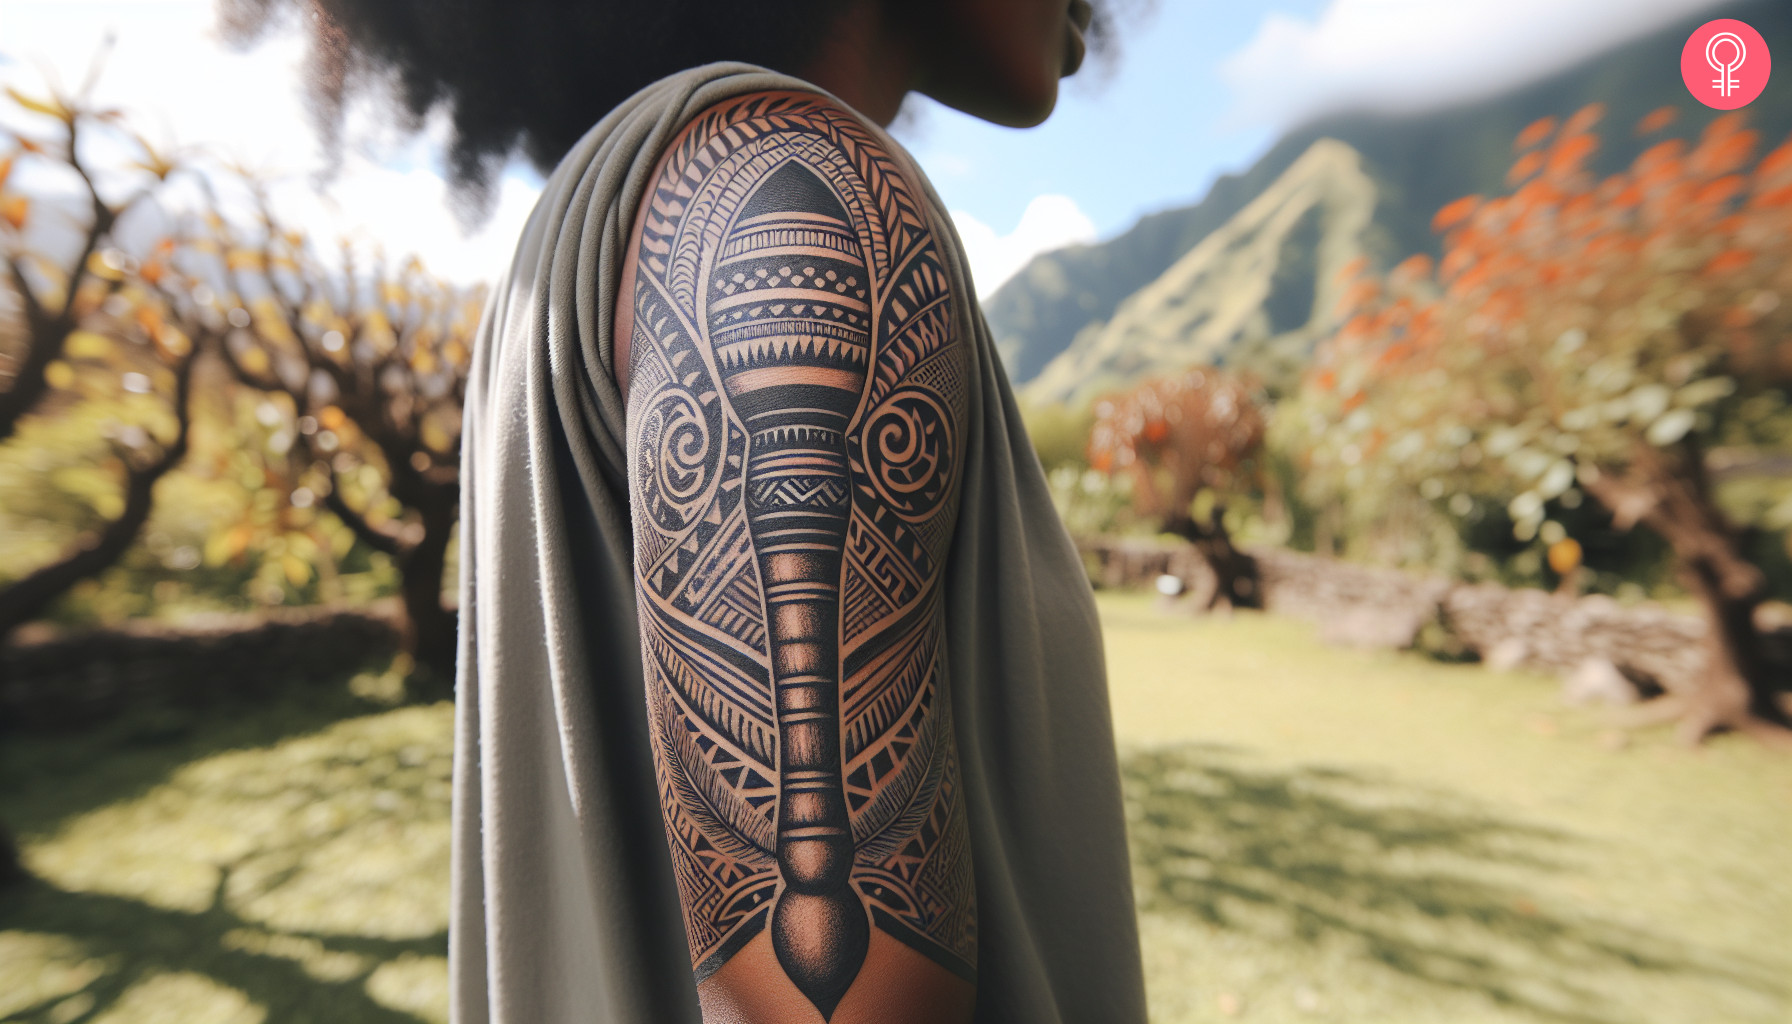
[865,61]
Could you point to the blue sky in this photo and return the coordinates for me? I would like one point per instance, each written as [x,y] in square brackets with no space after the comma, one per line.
[1154,135]
[1201,89]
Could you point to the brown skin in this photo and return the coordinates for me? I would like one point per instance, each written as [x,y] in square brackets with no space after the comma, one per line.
[894,984]
[999,60]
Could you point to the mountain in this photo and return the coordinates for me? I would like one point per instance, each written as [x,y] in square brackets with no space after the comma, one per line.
[1237,280]
[1257,291]
[1037,311]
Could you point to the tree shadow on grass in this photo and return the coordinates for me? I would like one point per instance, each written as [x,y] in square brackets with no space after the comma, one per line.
[1423,884]
[135,941]
[48,777]
[291,872]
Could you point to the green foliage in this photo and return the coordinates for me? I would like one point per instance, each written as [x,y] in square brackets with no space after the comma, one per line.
[59,479]
[225,534]
[295,483]
[1059,432]
[1092,504]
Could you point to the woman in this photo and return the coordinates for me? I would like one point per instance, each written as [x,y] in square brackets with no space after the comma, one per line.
[739,455]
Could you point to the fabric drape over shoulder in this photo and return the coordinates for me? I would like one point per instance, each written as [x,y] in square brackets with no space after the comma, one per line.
[564,907]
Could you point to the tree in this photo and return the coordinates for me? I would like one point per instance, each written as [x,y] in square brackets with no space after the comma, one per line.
[374,363]
[1175,437]
[1595,336]
[57,315]
[93,324]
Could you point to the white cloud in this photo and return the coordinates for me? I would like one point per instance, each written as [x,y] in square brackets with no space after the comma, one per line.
[1414,54]
[1049,222]
[179,83]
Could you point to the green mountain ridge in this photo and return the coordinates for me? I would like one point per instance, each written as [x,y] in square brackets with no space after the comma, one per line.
[1259,290]
[1079,320]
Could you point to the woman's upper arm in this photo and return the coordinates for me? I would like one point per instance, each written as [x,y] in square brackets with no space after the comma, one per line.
[796,409]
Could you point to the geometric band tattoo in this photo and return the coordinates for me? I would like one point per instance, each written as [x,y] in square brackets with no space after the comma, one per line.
[796,414]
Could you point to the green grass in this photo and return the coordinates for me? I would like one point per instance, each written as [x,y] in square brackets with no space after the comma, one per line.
[1319,835]
[1339,835]
[285,863]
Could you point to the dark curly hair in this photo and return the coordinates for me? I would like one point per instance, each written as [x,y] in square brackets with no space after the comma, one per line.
[530,76]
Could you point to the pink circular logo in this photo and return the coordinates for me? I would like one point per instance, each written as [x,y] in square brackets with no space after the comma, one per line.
[1725,64]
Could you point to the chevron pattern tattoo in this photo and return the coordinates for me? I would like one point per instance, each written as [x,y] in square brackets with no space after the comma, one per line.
[795,423]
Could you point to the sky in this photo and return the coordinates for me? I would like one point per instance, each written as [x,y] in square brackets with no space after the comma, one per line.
[1201,88]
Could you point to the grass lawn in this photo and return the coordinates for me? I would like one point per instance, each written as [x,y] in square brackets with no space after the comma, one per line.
[1339,835]
[284,863]
[1319,835]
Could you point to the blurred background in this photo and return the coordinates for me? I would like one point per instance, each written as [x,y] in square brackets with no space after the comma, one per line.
[1413,376]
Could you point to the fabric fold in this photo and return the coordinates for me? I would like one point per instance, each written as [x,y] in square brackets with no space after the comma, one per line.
[563,903]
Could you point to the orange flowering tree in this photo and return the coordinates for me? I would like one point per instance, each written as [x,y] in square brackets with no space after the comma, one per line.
[1174,437]
[1598,337]
[370,364]
[86,317]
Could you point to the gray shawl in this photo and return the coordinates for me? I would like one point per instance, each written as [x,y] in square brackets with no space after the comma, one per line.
[564,907]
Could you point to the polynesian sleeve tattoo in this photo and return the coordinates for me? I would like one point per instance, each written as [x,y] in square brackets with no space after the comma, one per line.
[796,406]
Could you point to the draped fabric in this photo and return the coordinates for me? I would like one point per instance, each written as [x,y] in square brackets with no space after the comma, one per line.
[563,904]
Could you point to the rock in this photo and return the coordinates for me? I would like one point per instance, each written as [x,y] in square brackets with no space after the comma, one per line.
[1772,616]
[1506,628]
[1507,654]
[1393,628]
[1597,681]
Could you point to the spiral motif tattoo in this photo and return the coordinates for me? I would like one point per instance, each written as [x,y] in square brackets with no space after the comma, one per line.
[684,461]
[797,381]
[908,450]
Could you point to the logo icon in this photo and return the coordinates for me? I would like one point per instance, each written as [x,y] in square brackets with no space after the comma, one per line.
[1725,64]
[1726,80]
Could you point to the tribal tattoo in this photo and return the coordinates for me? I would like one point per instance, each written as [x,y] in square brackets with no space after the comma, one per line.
[796,410]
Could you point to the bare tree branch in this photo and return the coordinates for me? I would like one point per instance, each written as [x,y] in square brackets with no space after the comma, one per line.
[48,332]
[377,539]
[28,597]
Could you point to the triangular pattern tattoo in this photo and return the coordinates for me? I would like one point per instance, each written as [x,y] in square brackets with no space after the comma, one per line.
[797,397]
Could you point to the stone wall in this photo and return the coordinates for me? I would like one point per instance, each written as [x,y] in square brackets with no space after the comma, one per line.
[62,681]
[1540,630]
[1358,604]
[1293,583]
[74,679]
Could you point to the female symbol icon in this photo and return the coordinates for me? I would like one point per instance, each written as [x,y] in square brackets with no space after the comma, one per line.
[1726,79]
[1737,53]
